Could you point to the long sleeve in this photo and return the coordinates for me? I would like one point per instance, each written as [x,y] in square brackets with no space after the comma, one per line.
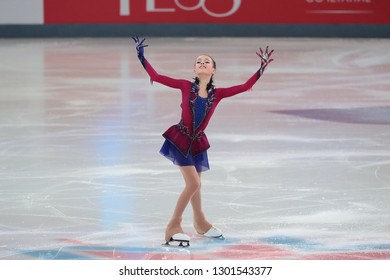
[165,80]
[230,91]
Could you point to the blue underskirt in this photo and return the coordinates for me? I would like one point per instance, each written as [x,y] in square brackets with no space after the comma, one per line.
[200,161]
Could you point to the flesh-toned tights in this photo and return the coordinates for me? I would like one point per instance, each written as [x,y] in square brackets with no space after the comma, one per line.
[191,193]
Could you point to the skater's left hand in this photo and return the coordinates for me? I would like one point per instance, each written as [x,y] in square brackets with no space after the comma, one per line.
[265,58]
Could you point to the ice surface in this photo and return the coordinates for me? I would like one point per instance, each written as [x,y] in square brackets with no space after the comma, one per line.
[300,165]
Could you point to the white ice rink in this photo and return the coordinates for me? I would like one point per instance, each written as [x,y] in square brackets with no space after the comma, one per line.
[300,165]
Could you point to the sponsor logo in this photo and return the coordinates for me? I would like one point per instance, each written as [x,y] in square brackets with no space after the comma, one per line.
[339,6]
[151,7]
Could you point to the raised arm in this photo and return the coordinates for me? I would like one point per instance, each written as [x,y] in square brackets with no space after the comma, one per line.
[266,59]
[154,76]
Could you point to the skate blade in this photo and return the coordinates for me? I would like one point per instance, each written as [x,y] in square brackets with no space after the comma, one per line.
[177,243]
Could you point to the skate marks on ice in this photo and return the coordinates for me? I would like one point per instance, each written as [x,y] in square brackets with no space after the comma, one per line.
[363,115]
[304,163]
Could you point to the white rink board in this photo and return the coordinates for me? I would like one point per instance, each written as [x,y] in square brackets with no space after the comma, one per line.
[21,12]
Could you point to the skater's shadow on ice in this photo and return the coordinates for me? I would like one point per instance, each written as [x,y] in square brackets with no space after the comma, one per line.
[364,115]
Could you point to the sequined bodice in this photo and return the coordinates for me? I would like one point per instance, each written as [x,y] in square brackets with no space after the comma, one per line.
[199,110]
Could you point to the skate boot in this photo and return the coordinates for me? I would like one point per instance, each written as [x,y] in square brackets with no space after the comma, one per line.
[213,232]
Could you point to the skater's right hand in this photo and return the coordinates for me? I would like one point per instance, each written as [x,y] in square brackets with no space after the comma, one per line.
[139,46]
[140,49]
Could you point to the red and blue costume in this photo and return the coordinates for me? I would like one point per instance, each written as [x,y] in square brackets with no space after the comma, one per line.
[186,142]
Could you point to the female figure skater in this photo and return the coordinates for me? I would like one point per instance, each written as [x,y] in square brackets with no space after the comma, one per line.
[186,143]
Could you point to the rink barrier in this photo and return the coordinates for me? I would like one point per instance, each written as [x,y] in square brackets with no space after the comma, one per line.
[196,30]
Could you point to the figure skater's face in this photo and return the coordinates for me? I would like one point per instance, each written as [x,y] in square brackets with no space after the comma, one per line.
[204,65]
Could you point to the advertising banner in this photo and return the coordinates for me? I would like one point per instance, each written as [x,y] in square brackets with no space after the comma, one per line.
[218,11]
